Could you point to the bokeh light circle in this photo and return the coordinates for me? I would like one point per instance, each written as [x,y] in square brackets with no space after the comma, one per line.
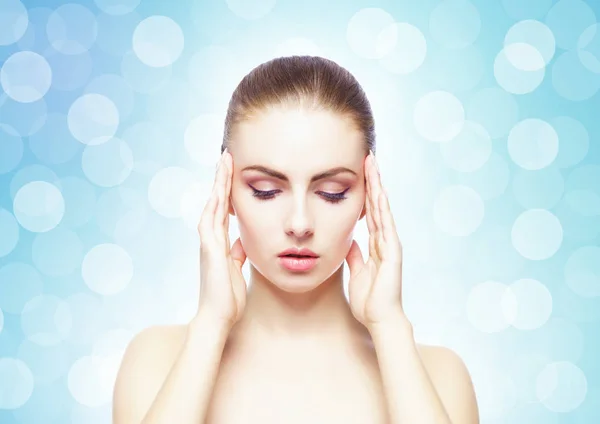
[486,305]
[410,48]
[72,29]
[39,206]
[571,79]
[14,21]
[531,33]
[368,35]
[495,109]
[251,9]
[582,271]
[561,386]
[469,150]
[107,269]
[533,144]
[93,119]
[439,116]
[107,164]
[574,141]
[26,76]
[567,19]
[455,24]
[16,383]
[117,7]
[158,41]
[537,234]
[588,48]
[513,78]
[46,320]
[534,304]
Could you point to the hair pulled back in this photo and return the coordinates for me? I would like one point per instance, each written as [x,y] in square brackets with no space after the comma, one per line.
[312,83]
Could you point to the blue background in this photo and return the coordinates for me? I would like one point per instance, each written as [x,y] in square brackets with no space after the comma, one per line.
[111,119]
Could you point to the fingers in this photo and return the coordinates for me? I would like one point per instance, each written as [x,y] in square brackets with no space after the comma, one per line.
[222,184]
[229,164]
[375,192]
[368,202]
[373,251]
[206,227]
[206,220]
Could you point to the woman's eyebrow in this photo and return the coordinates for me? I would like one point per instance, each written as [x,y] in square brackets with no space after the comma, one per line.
[276,174]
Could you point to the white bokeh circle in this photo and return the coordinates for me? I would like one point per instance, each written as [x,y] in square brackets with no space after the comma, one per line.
[409,51]
[117,7]
[107,269]
[16,383]
[72,29]
[531,33]
[46,320]
[39,206]
[488,305]
[251,9]
[455,24]
[533,144]
[107,164]
[469,150]
[158,41]
[439,116]
[561,386]
[26,76]
[370,33]
[526,75]
[537,234]
[93,119]
[14,21]
[582,271]
[166,189]
[588,48]
[534,304]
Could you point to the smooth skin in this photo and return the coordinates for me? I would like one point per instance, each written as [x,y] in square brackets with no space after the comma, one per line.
[168,372]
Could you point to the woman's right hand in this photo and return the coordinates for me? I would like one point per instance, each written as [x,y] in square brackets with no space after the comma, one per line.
[222,284]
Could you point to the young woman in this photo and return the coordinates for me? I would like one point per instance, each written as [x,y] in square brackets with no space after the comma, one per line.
[298,173]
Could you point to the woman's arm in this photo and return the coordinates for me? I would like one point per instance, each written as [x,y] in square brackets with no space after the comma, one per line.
[179,393]
[432,388]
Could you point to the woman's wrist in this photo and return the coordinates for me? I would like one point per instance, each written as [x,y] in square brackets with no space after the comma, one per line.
[207,328]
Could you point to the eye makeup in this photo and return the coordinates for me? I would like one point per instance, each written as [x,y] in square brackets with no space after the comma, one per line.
[329,197]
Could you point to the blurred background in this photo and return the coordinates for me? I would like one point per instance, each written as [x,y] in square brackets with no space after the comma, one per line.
[487,121]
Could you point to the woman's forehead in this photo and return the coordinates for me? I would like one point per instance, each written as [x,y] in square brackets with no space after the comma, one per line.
[296,132]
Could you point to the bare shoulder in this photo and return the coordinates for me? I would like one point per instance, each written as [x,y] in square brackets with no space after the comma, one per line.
[452,381]
[146,362]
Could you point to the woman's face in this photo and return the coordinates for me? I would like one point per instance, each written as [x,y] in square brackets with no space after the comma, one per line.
[296,212]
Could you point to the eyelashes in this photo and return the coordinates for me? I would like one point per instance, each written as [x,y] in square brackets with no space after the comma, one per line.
[329,197]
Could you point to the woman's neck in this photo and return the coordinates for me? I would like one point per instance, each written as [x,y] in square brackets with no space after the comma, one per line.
[316,315]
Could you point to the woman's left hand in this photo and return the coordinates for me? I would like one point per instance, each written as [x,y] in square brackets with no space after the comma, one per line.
[375,287]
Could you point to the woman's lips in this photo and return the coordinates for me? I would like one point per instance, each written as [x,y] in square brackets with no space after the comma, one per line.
[298,264]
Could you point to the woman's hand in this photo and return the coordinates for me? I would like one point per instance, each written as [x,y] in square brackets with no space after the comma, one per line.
[375,287]
[222,284]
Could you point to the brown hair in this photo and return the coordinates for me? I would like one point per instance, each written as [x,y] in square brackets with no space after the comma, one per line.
[310,82]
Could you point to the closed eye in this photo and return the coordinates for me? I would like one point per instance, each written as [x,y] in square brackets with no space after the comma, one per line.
[329,197]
